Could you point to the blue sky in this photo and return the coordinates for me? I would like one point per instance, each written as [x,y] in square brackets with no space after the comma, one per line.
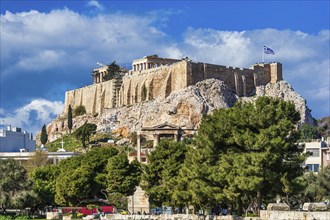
[48,47]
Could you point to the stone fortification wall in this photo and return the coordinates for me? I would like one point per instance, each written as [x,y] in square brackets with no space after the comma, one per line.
[148,84]
[94,98]
[159,82]
[241,81]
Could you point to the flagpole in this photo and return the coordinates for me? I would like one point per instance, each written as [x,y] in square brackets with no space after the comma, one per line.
[263,55]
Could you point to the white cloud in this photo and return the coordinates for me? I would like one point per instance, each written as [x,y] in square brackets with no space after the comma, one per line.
[96,4]
[33,115]
[62,46]
[36,40]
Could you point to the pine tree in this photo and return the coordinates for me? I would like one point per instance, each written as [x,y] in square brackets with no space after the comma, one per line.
[112,71]
[244,152]
[159,174]
[44,136]
[70,118]
[84,133]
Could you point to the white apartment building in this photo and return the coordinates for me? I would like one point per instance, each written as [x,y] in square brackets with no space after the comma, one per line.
[319,154]
[14,140]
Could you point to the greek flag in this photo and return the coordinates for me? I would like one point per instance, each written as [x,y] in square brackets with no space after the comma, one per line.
[267,50]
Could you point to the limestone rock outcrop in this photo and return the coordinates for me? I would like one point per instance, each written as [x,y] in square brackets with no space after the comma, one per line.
[284,90]
[182,108]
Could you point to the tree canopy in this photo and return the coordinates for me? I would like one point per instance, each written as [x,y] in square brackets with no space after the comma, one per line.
[79,110]
[84,133]
[112,70]
[308,132]
[122,176]
[15,188]
[159,175]
[44,179]
[244,152]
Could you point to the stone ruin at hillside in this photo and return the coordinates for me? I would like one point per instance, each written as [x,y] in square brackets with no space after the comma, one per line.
[153,77]
[158,90]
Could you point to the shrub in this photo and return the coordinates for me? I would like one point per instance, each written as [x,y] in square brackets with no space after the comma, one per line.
[80,110]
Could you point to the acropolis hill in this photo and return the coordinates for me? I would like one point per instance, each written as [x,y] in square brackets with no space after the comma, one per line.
[171,91]
[152,77]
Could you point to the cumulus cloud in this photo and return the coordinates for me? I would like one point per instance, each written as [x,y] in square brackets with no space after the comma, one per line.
[96,4]
[32,115]
[45,54]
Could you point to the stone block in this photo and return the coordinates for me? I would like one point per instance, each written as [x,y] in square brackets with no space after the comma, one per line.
[315,206]
[52,215]
[278,207]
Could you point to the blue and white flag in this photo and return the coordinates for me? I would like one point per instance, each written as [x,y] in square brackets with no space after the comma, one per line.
[267,50]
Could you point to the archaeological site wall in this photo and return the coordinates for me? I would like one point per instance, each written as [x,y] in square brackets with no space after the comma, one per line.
[94,97]
[151,83]
[148,80]
[241,81]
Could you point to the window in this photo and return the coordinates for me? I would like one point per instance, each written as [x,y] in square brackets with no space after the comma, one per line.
[312,167]
[313,152]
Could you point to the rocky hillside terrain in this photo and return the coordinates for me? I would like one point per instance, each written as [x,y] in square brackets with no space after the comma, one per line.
[183,108]
[323,125]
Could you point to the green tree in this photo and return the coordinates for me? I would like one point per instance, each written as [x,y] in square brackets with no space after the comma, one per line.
[84,133]
[70,118]
[75,172]
[112,70]
[158,179]
[73,187]
[244,152]
[309,132]
[39,159]
[44,179]
[79,110]
[122,176]
[15,188]
[44,136]
[317,186]
[97,160]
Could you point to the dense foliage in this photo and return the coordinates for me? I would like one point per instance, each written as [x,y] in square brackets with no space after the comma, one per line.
[44,179]
[308,132]
[112,70]
[15,188]
[122,176]
[79,110]
[161,172]
[84,133]
[317,186]
[245,152]
[79,179]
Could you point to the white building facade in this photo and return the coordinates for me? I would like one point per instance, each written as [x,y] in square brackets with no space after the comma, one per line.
[318,151]
[14,140]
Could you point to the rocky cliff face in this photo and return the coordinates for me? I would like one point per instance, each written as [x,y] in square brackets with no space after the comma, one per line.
[182,108]
[284,90]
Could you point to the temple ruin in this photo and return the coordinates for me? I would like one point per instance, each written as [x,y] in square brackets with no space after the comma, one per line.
[153,76]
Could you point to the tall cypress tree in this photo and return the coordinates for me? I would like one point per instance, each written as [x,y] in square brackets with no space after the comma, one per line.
[44,136]
[70,118]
